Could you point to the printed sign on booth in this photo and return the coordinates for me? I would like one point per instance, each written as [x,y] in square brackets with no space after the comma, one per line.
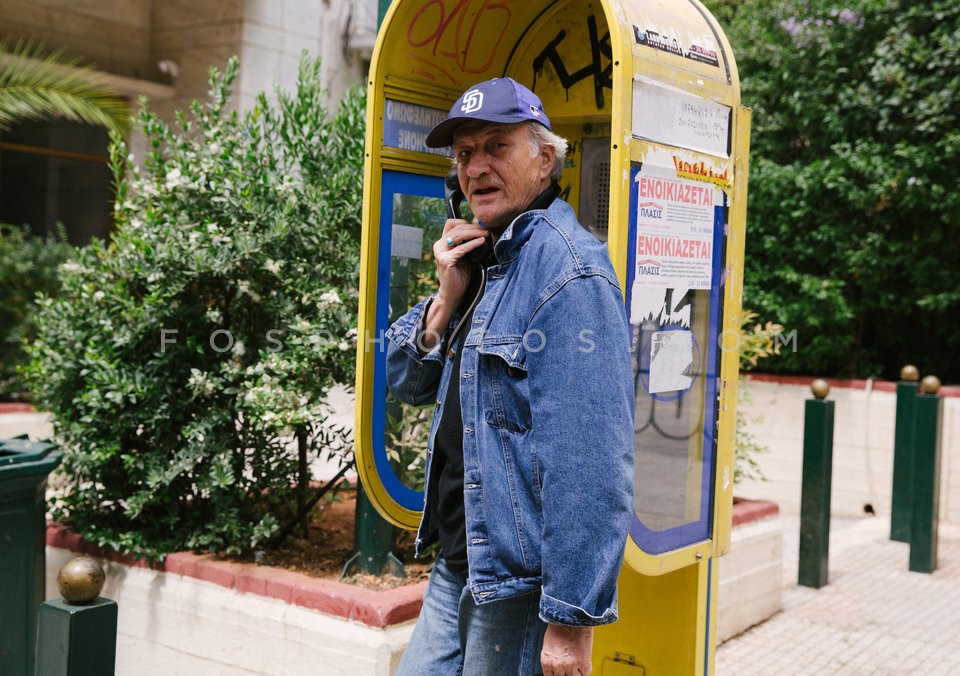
[675,221]
[406,125]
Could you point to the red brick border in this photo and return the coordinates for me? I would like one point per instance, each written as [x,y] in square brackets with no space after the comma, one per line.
[16,407]
[746,511]
[878,385]
[371,607]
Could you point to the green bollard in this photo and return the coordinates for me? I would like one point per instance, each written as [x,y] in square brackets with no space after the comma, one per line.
[900,495]
[77,635]
[925,504]
[815,495]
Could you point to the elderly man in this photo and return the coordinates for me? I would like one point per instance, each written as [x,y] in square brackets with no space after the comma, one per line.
[525,353]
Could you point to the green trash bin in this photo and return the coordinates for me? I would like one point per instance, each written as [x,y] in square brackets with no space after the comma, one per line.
[24,466]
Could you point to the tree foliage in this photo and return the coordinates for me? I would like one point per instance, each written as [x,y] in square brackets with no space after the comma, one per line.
[854,216]
[183,357]
[35,85]
[28,267]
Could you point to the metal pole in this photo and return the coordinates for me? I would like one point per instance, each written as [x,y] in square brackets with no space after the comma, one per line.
[903,455]
[815,495]
[925,504]
[374,539]
[382,7]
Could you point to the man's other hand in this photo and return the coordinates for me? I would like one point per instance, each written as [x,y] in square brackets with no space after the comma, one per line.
[566,651]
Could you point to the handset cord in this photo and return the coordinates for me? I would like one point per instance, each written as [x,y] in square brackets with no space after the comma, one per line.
[473,304]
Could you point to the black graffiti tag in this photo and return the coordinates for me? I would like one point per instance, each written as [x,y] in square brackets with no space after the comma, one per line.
[599,47]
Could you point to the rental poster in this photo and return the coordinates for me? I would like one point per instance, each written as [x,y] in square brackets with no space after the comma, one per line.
[675,221]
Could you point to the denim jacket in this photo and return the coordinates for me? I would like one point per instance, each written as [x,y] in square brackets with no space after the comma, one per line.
[547,402]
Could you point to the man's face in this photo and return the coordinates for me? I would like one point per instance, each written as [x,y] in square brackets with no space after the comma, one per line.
[499,172]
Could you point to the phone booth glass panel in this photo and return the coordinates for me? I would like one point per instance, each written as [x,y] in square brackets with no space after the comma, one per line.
[411,220]
[673,296]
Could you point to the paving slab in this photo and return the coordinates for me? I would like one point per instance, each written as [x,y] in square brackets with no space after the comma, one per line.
[874,616]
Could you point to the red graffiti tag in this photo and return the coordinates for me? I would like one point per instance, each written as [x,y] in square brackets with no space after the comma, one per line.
[468,34]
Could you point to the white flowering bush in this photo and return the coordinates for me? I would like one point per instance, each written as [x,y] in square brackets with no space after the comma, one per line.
[186,362]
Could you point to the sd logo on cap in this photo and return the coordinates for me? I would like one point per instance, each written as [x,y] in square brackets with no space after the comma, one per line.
[502,100]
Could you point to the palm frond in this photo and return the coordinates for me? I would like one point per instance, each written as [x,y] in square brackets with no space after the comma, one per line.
[34,86]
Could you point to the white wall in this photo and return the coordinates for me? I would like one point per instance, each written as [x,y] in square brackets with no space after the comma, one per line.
[750,577]
[862,451]
[174,624]
[276,31]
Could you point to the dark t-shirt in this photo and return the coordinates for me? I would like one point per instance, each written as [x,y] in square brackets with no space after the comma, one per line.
[448,442]
[448,452]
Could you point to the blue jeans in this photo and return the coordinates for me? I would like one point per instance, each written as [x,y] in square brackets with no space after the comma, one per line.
[456,636]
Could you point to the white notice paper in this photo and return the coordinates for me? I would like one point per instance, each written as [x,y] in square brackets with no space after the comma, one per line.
[671,361]
[678,118]
[406,242]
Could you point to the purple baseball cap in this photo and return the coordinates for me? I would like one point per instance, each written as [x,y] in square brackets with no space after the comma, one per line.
[501,99]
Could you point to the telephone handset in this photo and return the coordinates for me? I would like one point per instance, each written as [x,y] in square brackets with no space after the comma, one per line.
[453,196]
[452,193]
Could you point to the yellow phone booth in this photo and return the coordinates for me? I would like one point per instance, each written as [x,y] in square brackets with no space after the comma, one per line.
[647,93]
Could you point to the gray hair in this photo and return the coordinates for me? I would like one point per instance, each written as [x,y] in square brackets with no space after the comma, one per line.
[540,136]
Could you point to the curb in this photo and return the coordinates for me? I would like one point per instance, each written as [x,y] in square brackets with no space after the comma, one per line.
[746,511]
[16,407]
[374,608]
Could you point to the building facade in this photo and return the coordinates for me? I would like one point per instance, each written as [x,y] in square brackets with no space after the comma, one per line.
[56,172]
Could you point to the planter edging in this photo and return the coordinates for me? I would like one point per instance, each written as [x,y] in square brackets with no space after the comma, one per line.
[16,407]
[746,511]
[751,573]
[842,383]
[375,608]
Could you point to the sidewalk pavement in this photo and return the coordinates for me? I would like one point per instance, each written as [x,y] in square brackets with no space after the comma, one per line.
[875,617]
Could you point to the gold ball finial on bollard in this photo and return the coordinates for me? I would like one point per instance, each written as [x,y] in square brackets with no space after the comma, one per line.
[910,373]
[820,388]
[930,385]
[81,580]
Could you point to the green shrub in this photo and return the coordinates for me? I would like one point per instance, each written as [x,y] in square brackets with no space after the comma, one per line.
[187,363]
[28,266]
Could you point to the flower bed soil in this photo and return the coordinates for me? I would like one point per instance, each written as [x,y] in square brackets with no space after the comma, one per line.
[330,544]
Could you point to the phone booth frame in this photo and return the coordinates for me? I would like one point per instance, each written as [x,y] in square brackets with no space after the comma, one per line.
[651,106]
